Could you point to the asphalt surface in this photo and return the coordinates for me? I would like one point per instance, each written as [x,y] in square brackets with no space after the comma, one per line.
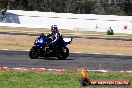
[75,60]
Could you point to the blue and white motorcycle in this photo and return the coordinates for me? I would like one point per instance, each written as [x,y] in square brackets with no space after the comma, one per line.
[42,48]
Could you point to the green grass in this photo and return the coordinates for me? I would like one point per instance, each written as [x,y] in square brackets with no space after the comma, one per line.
[33,79]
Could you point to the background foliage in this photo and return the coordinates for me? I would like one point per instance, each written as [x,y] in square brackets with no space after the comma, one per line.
[106,7]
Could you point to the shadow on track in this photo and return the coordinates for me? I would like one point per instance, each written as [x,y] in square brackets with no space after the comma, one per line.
[52,58]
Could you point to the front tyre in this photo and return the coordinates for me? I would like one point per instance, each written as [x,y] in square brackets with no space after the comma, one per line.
[34,52]
[63,54]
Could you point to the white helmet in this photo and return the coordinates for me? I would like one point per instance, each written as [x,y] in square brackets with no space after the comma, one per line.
[54,27]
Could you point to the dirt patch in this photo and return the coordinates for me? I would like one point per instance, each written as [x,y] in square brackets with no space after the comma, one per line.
[16,42]
[101,46]
[65,32]
[25,42]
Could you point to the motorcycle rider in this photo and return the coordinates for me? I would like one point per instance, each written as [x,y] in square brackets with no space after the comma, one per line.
[56,37]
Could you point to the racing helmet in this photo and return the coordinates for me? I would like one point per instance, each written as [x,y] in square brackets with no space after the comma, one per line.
[54,28]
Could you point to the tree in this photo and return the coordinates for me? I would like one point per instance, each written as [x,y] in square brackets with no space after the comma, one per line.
[70,6]
[119,7]
[128,7]
[98,9]
[3,4]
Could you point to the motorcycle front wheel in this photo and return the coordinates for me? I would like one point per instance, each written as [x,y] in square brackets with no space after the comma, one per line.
[34,53]
[63,54]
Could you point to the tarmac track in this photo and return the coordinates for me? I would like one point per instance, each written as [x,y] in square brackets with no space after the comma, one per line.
[75,60]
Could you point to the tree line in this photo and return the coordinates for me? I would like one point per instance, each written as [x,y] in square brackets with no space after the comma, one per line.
[103,7]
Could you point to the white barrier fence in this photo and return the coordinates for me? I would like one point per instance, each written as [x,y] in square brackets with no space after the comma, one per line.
[80,22]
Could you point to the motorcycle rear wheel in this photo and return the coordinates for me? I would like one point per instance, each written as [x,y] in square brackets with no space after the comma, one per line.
[34,53]
[63,54]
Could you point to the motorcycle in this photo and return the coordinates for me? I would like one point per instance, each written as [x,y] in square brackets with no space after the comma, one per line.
[42,48]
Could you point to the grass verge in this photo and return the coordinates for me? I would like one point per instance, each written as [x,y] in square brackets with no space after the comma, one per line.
[33,79]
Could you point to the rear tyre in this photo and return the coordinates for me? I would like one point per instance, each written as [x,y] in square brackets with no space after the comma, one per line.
[63,54]
[34,52]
